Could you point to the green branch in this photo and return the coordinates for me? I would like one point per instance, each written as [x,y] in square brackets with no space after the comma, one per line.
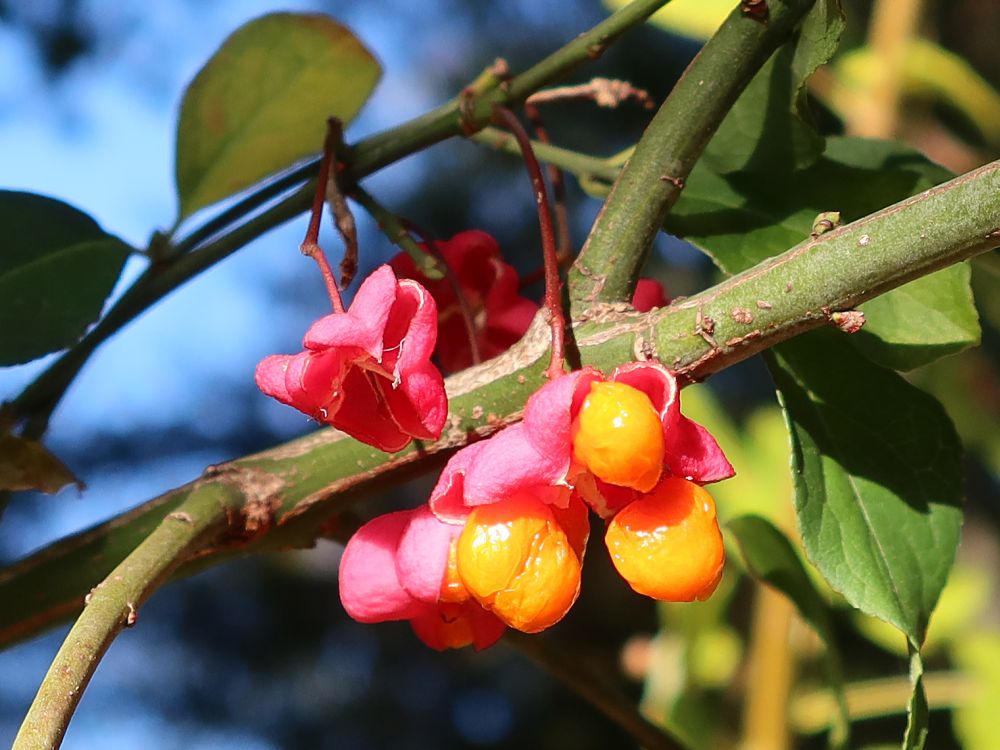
[652,179]
[114,604]
[458,116]
[583,166]
[311,479]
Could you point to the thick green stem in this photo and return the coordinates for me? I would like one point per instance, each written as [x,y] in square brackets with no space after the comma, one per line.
[114,604]
[314,477]
[461,115]
[652,179]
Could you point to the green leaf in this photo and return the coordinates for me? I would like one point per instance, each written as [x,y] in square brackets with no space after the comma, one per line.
[261,103]
[28,465]
[877,474]
[922,321]
[917,712]
[768,130]
[56,269]
[741,219]
[770,557]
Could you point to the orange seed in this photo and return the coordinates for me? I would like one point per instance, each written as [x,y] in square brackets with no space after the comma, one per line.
[618,436]
[517,560]
[667,544]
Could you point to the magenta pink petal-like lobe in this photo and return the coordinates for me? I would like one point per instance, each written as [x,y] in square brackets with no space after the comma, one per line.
[422,557]
[369,586]
[692,453]
[364,415]
[363,325]
[270,377]
[447,500]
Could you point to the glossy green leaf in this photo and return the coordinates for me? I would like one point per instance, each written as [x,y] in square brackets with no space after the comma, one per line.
[741,219]
[877,473]
[768,129]
[56,269]
[261,103]
[922,321]
[771,558]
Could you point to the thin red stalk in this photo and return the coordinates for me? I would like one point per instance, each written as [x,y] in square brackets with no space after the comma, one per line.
[449,273]
[558,185]
[310,245]
[342,216]
[553,300]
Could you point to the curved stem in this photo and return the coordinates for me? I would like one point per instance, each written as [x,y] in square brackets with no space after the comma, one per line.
[564,241]
[581,165]
[553,300]
[310,245]
[652,179]
[114,604]
[392,227]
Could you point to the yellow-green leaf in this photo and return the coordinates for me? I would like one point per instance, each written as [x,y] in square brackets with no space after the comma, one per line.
[28,465]
[697,19]
[261,103]
[929,71]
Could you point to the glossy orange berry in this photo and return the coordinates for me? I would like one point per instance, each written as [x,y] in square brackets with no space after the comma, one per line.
[518,561]
[667,544]
[618,436]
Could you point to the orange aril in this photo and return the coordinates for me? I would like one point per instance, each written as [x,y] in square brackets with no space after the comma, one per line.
[618,437]
[667,544]
[517,561]
[455,627]
[453,591]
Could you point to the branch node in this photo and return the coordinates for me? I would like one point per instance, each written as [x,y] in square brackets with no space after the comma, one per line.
[848,321]
[755,9]
[677,182]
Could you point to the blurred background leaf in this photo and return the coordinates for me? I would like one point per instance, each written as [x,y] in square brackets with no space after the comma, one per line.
[56,269]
